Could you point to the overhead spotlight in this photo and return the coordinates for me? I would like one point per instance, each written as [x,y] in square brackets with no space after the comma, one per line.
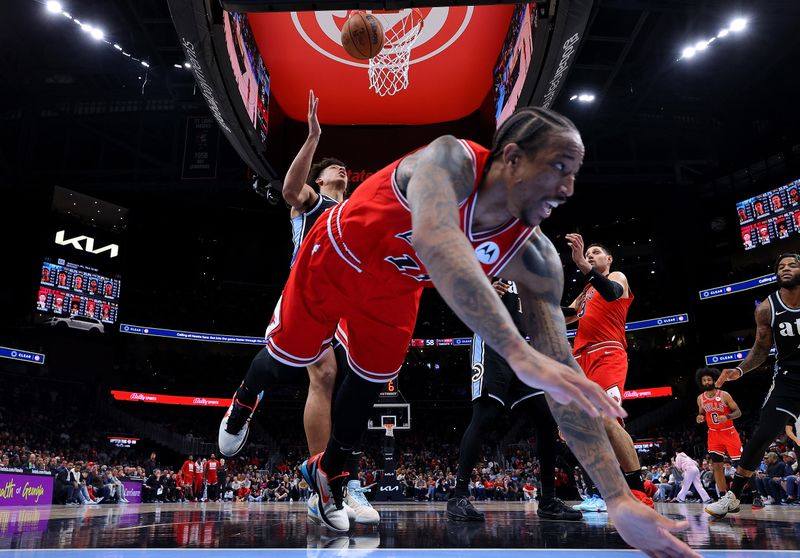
[86,27]
[54,7]
[145,64]
[738,24]
[66,14]
[178,66]
[723,33]
[573,97]
[586,98]
[97,34]
[116,46]
[688,52]
[187,65]
[701,45]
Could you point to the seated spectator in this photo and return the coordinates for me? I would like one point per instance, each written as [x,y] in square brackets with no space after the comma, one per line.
[152,489]
[281,493]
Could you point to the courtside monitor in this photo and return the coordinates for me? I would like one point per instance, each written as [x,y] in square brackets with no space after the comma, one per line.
[769,217]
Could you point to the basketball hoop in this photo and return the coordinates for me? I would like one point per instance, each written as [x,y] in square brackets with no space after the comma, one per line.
[388,70]
[389,430]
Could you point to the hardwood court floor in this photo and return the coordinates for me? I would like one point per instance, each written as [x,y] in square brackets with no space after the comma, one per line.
[407,530]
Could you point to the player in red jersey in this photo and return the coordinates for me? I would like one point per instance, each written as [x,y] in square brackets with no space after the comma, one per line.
[187,473]
[601,310]
[211,468]
[718,410]
[475,212]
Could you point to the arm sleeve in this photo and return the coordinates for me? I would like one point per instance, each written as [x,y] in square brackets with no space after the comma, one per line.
[609,290]
[568,311]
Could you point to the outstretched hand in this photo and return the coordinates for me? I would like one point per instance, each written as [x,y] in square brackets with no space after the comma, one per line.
[728,375]
[576,245]
[313,124]
[647,530]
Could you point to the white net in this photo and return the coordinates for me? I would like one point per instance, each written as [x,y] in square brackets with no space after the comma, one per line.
[388,70]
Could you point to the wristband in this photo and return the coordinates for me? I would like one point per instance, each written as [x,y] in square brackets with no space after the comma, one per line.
[739,368]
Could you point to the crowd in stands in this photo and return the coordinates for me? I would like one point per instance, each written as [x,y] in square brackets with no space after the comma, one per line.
[44,430]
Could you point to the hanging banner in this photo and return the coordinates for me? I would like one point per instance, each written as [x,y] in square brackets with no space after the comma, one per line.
[200,148]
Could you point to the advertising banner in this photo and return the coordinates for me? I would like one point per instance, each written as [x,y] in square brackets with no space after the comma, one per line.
[19,489]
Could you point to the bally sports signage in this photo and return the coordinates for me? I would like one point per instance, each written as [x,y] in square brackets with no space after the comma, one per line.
[170,399]
[85,244]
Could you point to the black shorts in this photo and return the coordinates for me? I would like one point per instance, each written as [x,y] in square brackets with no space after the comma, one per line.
[784,395]
[493,377]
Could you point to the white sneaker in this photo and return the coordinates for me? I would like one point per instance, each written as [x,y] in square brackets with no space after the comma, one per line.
[725,505]
[313,509]
[330,492]
[235,427]
[362,510]
[591,504]
[770,501]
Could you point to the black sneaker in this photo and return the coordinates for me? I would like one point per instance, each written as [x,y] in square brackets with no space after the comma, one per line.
[758,503]
[460,508]
[554,508]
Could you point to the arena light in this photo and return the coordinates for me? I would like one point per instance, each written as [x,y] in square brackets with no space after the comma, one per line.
[738,24]
[97,33]
[582,97]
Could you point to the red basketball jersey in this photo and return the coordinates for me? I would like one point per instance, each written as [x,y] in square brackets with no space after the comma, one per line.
[601,321]
[371,231]
[715,407]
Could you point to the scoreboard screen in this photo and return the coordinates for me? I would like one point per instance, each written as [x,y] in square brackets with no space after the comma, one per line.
[771,216]
[71,289]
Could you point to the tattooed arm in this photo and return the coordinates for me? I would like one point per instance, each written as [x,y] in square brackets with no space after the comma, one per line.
[438,177]
[540,281]
[759,352]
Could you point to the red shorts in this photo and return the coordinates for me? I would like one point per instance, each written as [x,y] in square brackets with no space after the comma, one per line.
[375,319]
[725,441]
[606,364]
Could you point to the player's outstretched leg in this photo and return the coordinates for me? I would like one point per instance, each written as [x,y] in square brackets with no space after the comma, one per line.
[235,426]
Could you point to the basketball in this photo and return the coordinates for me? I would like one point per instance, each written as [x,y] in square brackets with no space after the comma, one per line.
[362,36]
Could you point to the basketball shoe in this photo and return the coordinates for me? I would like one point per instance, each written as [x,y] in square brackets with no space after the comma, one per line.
[330,493]
[729,503]
[554,508]
[358,507]
[591,504]
[312,508]
[459,508]
[235,427]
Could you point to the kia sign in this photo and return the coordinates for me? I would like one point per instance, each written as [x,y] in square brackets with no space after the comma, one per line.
[86,243]
[643,393]
[188,400]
